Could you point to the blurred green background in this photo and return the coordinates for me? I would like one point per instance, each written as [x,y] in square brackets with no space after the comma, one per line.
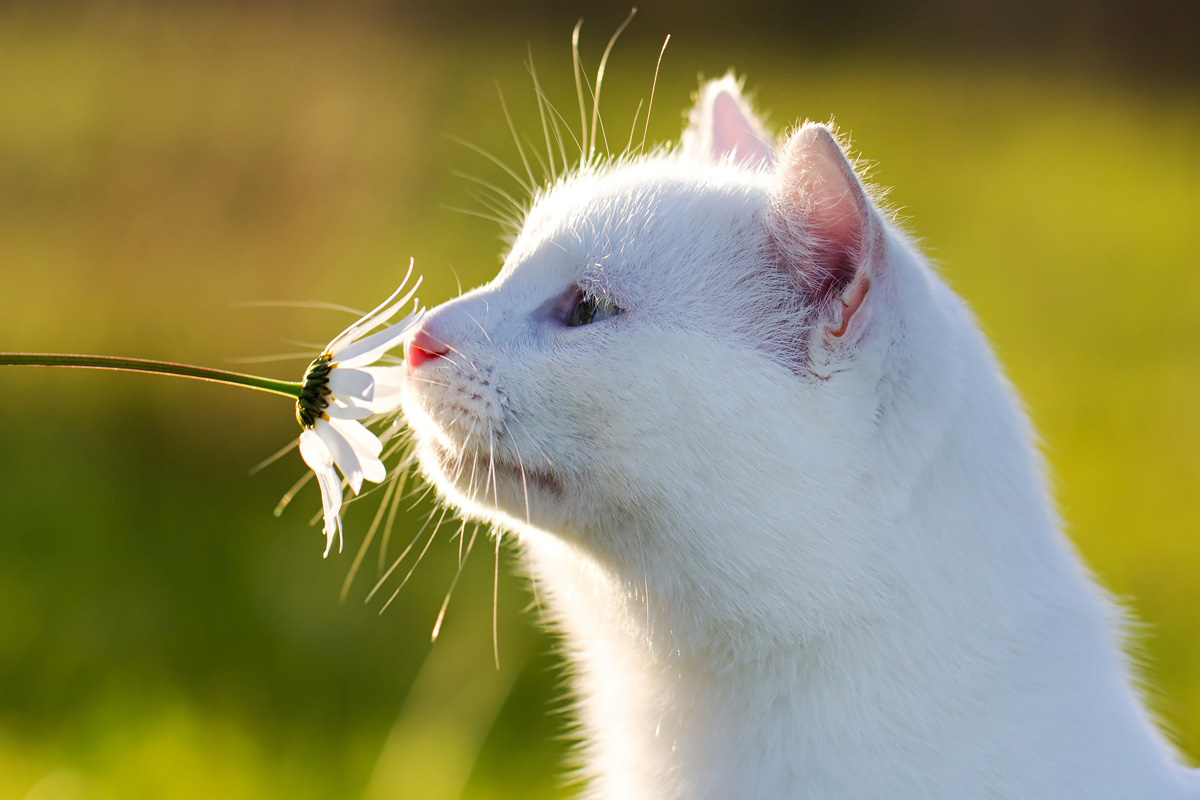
[162,635]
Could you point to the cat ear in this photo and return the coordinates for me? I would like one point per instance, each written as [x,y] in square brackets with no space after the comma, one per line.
[722,125]
[826,228]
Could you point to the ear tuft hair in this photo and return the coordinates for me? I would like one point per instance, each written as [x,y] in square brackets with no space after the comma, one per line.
[722,125]
[824,224]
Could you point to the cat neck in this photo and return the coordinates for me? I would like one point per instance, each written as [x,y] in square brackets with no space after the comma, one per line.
[973,656]
[1021,692]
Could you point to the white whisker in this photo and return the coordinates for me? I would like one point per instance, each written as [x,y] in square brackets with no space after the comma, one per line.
[291,493]
[501,193]
[542,115]
[459,535]
[307,304]
[494,204]
[501,221]
[500,215]
[437,626]
[547,169]
[408,548]
[596,121]
[393,507]
[458,352]
[528,187]
[481,328]
[541,451]
[416,563]
[271,459]
[543,105]
[418,495]
[496,604]
[633,128]
[653,87]
[429,381]
[521,466]
[576,65]
[516,139]
[366,542]
[490,477]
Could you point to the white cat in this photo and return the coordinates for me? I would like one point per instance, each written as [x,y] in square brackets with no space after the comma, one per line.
[776,492]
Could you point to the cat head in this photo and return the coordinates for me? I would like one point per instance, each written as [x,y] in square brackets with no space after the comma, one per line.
[674,343]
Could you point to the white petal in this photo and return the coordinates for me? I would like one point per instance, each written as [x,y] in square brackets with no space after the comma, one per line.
[391,430]
[390,377]
[356,383]
[314,452]
[372,319]
[374,470]
[386,403]
[362,440]
[340,409]
[355,451]
[343,452]
[317,455]
[331,505]
[368,349]
[389,384]
[379,315]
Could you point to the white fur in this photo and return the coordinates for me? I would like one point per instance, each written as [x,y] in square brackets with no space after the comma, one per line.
[790,560]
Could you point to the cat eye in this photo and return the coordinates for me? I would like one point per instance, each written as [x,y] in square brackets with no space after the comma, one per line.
[589,308]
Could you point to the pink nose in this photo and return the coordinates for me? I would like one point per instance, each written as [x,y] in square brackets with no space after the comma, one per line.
[423,347]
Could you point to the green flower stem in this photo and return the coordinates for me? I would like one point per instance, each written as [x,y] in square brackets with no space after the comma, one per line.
[290,389]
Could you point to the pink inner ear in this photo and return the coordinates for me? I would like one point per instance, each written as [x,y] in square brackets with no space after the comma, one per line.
[851,299]
[734,132]
[819,177]
[825,222]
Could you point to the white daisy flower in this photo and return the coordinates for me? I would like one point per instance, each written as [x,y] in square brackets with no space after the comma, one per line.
[340,390]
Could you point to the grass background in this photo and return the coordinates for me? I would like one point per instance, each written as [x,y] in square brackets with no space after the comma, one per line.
[163,636]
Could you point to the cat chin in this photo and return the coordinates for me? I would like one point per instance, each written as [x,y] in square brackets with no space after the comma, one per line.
[484,484]
[471,463]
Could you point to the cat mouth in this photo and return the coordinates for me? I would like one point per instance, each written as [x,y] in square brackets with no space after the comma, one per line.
[491,480]
[527,477]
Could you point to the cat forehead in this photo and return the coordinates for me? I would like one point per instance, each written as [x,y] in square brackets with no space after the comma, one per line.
[646,209]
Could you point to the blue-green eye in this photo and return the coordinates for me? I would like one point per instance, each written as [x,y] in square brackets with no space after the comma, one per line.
[589,308]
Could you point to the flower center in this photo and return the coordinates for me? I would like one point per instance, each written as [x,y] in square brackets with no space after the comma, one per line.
[314,394]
